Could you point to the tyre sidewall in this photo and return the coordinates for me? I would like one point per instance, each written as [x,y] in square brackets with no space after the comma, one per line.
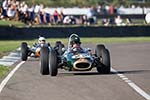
[24,51]
[44,57]
[53,63]
[105,61]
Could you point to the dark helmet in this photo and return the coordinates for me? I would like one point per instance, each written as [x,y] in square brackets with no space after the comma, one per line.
[74,39]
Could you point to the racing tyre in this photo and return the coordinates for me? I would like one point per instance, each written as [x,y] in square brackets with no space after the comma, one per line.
[44,57]
[99,49]
[24,51]
[104,67]
[53,66]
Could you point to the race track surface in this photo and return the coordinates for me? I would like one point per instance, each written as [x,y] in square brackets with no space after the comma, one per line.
[129,59]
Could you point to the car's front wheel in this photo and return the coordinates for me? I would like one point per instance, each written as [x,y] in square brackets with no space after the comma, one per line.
[53,66]
[24,51]
[104,58]
[44,58]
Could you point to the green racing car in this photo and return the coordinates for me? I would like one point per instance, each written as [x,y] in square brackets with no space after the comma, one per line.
[74,58]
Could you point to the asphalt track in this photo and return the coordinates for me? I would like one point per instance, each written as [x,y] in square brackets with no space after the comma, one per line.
[132,60]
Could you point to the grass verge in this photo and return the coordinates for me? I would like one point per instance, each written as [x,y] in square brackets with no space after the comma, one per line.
[3,70]
[7,46]
[11,23]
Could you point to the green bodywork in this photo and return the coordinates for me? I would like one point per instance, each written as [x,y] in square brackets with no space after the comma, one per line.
[71,58]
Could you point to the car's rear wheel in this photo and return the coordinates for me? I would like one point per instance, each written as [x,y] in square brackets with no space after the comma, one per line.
[44,57]
[104,57]
[24,51]
[53,66]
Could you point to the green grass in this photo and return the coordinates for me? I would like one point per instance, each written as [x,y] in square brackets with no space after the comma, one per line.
[99,23]
[7,46]
[11,23]
[116,40]
[3,70]
[11,45]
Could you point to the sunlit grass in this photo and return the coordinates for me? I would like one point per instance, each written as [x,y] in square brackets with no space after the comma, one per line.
[7,46]
[11,23]
[3,70]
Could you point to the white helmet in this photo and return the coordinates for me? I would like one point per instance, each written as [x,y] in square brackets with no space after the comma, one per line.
[41,40]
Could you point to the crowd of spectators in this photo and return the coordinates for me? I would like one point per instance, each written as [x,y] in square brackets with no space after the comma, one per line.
[118,21]
[35,14]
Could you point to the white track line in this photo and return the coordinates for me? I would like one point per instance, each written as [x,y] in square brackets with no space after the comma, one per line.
[132,85]
[4,82]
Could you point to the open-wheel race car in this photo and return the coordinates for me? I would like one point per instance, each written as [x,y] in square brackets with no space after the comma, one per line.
[33,51]
[74,58]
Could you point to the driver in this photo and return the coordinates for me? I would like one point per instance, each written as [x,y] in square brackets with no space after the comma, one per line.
[75,43]
[41,40]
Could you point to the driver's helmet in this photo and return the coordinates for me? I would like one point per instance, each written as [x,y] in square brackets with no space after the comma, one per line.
[41,40]
[74,39]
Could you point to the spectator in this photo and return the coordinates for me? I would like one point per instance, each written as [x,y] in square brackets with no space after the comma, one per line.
[118,21]
[105,22]
[90,16]
[31,11]
[37,9]
[111,9]
[48,18]
[5,8]
[73,20]
[128,21]
[67,20]
[84,20]
[1,11]
[99,8]
[37,14]
[107,9]
[56,15]
[11,12]
[61,17]
[43,17]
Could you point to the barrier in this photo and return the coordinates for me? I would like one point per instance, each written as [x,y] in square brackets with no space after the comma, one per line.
[7,33]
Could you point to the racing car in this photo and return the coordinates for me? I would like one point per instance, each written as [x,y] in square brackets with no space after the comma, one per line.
[34,51]
[74,58]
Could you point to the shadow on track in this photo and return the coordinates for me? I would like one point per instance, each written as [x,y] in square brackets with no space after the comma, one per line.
[134,72]
[96,73]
